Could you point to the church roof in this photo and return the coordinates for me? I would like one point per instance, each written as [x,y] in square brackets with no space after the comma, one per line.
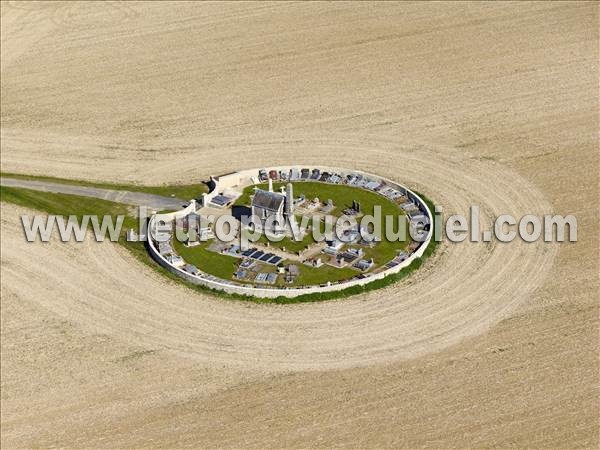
[268,200]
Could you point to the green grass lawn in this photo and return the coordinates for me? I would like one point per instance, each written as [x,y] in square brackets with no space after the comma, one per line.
[223,266]
[217,264]
[313,276]
[66,205]
[182,191]
[290,244]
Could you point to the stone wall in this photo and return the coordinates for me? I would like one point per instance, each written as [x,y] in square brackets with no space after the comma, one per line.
[232,180]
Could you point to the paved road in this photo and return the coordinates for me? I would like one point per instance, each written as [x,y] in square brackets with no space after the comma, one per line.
[157,202]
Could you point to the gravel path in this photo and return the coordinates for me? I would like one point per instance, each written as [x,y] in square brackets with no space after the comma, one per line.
[157,202]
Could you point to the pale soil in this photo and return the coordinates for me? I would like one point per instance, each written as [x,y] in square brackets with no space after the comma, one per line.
[487,345]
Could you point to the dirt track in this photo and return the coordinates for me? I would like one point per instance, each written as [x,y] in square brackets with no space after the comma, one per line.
[157,202]
[487,345]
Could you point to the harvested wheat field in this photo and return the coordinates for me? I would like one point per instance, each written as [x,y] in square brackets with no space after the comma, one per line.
[488,345]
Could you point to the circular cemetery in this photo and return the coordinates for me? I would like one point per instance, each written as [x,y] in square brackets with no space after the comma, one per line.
[284,257]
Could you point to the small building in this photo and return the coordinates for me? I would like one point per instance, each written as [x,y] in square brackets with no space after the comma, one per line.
[194,223]
[266,204]
[330,251]
[204,234]
[353,253]
[221,201]
[191,269]
[292,273]
[372,185]
[266,277]
[275,206]
[293,270]
[328,207]
[240,274]
[271,278]
[335,244]
[351,235]
[338,261]
[364,264]
[175,260]
[418,216]
[164,248]
[410,207]
[247,263]
[314,262]
[233,250]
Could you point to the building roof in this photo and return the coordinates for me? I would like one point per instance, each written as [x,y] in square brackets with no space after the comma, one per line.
[164,248]
[221,200]
[190,268]
[271,201]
